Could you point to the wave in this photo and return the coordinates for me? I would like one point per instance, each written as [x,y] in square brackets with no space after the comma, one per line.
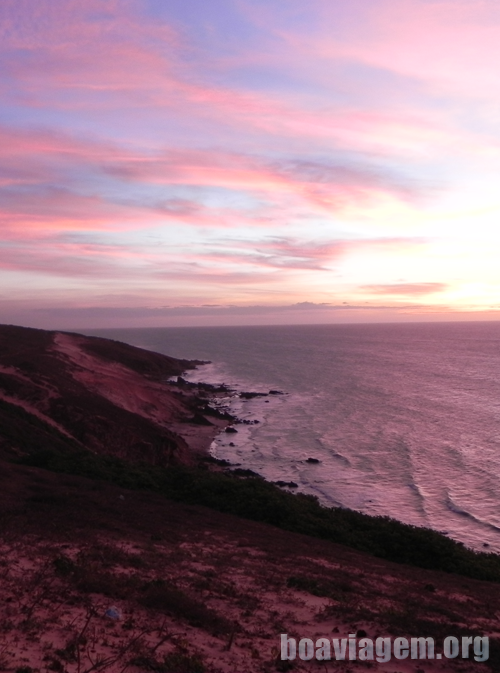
[457,509]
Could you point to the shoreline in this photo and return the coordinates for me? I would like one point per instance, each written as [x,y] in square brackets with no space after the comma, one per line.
[157,546]
[244,409]
[207,422]
[204,420]
[65,392]
[233,463]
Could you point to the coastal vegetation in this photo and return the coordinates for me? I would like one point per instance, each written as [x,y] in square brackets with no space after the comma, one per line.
[251,497]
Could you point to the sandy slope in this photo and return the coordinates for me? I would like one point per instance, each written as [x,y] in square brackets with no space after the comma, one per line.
[119,384]
[159,402]
[102,395]
[209,589]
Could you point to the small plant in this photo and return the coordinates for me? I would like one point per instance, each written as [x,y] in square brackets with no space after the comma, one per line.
[63,566]
[164,597]
[69,653]
[318,587]
[175,662]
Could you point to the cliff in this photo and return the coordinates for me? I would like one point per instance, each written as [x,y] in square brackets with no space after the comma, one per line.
[66,391]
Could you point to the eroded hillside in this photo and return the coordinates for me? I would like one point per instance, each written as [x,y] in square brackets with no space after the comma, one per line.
[67,391]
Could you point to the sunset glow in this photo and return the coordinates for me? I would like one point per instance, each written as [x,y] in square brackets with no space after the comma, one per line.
[248,161]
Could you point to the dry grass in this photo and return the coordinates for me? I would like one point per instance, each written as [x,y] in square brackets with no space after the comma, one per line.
[198,591]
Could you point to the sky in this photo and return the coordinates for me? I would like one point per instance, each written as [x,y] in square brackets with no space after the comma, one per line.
[248,162]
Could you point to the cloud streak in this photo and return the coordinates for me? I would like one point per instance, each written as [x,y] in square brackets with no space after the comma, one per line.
[267,154]
[405,289]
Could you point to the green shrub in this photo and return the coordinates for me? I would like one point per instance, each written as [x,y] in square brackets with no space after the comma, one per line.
[258,500]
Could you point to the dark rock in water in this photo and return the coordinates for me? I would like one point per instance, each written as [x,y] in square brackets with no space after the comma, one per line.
[249,396]
[210,387]
[184,383]
[289,484]
[231,429]
[312,460]
[218,413]
[217,461]
[231,444]
[198,419]
[276,392]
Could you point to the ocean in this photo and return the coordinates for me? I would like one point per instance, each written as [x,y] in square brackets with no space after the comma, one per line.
[404,419]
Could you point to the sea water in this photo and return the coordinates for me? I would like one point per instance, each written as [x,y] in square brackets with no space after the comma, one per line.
[404,419]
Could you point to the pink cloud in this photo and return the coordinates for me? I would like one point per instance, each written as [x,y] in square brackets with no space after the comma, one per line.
[130,61]
[281,253]
[73,50]
[452,45]
[267,263]
[49,167]
[321,187]
[405,289]
[33,214]
[293,254]
[258,163]
[72,62]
